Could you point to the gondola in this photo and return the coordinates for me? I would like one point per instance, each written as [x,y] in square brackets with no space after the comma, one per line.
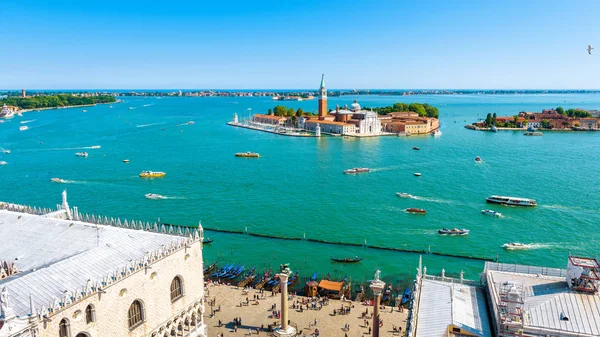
[207,240]
[210,268]
[347,259]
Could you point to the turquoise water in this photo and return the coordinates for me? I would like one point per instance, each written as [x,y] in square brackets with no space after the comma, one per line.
[297,187]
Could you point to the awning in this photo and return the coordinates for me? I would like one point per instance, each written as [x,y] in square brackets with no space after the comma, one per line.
[330,285]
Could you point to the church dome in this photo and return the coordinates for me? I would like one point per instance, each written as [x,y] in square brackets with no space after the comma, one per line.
[355,106]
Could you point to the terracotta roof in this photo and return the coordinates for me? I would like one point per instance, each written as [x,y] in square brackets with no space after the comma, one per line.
[327,122]
[331,285]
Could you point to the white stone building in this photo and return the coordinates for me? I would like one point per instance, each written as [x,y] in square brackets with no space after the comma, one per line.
[97,276]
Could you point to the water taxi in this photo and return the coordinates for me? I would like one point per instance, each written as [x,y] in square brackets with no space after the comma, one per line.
[437,133]
[416,148]
[126,160]
[415,210]
[491,213]
[23,128]
[453,231]
[417,174]
[58,180]
[247,154]
[357,170]
[405,195]
[515,246]
[511,201]
[82,154]
[154,196]
[534,133]
[151,174]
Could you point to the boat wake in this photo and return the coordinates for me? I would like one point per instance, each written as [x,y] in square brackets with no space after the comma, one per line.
[146,125]
[29,121]
[145,105]
[436,200]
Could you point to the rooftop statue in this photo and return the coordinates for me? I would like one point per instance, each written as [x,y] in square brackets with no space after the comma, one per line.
[4,302]
[285,269]
[377,274]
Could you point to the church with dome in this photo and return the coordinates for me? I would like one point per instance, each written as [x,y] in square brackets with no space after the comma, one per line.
[353,121]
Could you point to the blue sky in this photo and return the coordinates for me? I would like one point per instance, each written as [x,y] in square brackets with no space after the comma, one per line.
[288,44]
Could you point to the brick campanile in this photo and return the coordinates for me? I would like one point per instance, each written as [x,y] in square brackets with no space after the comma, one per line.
[322,98]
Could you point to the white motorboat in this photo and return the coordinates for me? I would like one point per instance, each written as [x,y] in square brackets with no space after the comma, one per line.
[95,147]
[511,201]
[58,180]
[453,231]
[23,128]
[3,162]
[7,151]
[405,195]
[491,212]
[357,170]
[417,174]
[154,196]
[81,154]
[515,246]
[437,133]
[83,110]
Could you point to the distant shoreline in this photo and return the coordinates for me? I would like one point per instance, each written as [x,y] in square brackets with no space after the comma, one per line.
[475,128]
[65,107]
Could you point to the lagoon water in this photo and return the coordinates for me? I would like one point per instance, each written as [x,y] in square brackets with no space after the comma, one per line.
[297,187]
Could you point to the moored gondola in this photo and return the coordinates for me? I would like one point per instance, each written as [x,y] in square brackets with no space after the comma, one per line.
[347,259]
[207,240]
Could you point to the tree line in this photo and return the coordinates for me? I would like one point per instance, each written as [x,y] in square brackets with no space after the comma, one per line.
[575,113]
[53,101]
[281,110]
[424,110]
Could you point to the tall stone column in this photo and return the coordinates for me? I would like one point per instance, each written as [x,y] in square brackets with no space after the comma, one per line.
[284,330]
[377,286]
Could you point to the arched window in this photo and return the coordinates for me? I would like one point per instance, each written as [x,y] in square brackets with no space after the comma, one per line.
[176,289]
[90,314]
[136,314]
[64,328]
[83,334]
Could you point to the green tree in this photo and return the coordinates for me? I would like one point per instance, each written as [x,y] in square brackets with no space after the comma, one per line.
[516,120]
[560,110]
[291,112]
[299,112]
[431,111]
[545,124]
[488,119]
[494,119]
[280,110]
[400,107]
[418,108]
[270,112]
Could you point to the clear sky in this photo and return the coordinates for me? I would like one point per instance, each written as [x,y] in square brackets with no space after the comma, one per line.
[287,44]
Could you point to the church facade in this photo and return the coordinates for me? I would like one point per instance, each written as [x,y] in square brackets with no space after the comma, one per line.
[82,276]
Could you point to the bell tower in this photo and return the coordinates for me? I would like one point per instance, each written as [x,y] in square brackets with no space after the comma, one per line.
[322,98]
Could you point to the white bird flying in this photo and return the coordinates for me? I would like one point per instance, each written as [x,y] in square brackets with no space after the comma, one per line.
[589,49]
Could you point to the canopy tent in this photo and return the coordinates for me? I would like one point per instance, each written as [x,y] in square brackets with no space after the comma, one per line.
[331,285]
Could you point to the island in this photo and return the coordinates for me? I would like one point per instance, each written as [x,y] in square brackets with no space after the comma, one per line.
[557,119]
[23,103]
[400,119]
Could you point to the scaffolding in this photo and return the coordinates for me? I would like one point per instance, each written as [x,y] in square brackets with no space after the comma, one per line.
[510,309]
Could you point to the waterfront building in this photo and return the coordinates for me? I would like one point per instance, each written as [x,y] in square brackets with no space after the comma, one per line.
[586,123]
[445,306]
[269,119]
[333,127]
[409,122]
[540,301]
[74,276]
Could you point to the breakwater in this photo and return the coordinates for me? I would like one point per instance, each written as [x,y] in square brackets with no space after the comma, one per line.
[351,244]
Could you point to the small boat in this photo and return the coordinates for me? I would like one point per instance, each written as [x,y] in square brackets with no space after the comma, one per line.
[415,210]
[406,296]
[494,128]
[95,147]
[515,246]
[151,174]
[347,259]
[405,195]
[478,159]
[131,108]
[2,162]
[191,122]
[437,133]
[126,160]
[207,240]
[110,106]
[82,154]
[357,170]
[23,128]
[247,154]
[534,133]
[417,174]
[511,201]
[6,151]
[491,213]
[453,231]
[58,180]
[154,196]
[416,148]
[84,110]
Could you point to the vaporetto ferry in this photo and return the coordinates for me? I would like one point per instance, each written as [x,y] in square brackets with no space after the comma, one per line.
[511,201]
